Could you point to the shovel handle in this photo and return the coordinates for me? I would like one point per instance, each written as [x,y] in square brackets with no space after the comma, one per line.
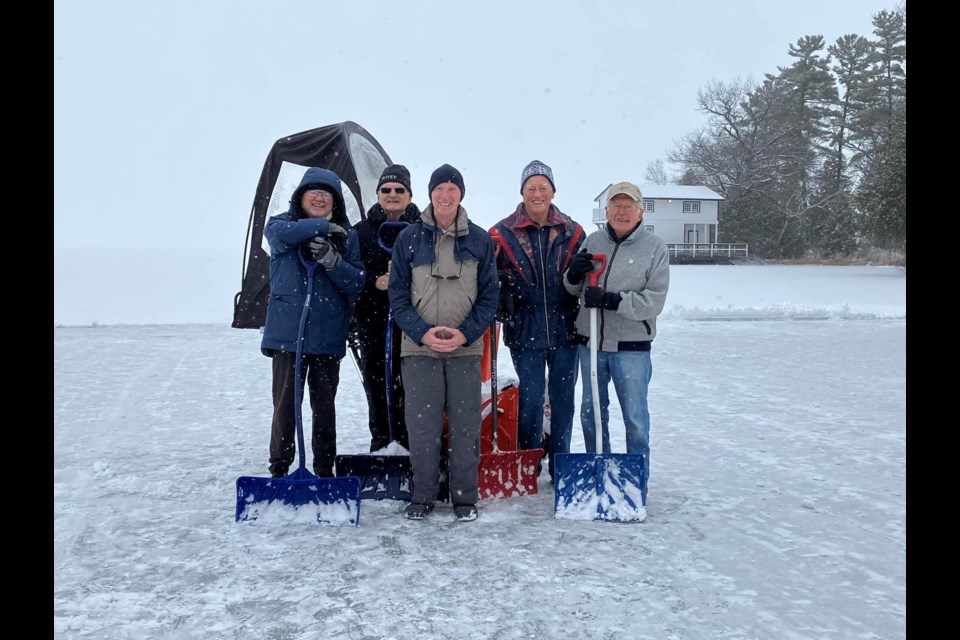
[594,276]
[497,241]
[399,225]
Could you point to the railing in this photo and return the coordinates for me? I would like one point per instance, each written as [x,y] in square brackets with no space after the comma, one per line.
[710,250]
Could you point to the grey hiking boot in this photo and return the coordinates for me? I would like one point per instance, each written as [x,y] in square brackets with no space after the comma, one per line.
[418,511]
[465,512]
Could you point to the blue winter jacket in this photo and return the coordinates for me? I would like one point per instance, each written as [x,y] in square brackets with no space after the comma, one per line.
[537,256]
[331,303]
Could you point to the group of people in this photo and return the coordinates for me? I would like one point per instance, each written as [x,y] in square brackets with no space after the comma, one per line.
[444,283]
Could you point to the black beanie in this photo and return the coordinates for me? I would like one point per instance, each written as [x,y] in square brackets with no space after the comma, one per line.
[446,173]
[395,173]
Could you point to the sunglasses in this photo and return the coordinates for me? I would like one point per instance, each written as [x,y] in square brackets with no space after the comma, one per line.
[437,276]
[400,190]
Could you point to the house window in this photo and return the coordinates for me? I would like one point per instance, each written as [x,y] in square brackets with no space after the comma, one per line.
[691,206]
[648,206]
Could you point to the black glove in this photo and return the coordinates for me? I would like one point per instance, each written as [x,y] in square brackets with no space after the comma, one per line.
[597,298]
[580,264]
[506,307]
[506,279]
[353,335]
[324,253]
[337,237]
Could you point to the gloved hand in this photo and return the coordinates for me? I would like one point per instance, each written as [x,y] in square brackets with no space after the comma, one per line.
[324,253]
[506,306]
[337,237]
[597,298]
[353,334]
[580,264]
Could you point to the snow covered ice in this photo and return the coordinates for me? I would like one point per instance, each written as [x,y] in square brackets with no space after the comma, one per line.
[776,506]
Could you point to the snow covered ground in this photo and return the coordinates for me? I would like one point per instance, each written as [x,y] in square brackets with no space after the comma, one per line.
[777,505]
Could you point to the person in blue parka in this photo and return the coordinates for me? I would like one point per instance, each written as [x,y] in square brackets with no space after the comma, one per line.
[314,231]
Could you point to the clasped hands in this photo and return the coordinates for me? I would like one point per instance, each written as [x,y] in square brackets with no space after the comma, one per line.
[444,339]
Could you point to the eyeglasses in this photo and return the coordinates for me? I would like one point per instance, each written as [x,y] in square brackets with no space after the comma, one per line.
[437,276]
[400,190]
[319,193]
[625,206]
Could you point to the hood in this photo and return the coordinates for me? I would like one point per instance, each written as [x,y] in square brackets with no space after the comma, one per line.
[317,177]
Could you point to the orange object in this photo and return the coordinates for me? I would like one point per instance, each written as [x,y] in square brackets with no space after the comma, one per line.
[485,368]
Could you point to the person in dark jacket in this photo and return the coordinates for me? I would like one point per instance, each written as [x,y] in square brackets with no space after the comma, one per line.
[443,292]
[538,313]
[393,204]
[314,229]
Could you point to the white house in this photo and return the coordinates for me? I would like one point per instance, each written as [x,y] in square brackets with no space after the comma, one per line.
[679,214]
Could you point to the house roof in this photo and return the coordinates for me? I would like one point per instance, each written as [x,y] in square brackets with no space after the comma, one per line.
[676,191]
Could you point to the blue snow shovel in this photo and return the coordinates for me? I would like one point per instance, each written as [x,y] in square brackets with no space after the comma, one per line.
[387,477]
[300,496]
[599,486]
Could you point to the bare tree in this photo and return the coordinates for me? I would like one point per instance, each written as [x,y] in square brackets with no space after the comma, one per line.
[656,173]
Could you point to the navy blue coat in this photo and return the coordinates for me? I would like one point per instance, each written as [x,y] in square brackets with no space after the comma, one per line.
[544,312]
[334,291]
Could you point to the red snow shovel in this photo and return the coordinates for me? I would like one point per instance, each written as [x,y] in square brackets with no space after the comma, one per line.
[502,474]
[387,476]
[599,486]
[300,496]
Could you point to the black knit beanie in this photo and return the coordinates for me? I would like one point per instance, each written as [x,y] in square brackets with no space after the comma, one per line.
[446,173]
[395,173]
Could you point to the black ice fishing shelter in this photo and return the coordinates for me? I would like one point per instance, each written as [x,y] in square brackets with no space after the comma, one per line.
[345,148]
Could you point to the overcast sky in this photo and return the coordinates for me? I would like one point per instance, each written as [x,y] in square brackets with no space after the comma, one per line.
[164,112]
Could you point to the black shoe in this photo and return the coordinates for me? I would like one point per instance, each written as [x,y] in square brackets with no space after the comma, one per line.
[465,512]
[418,511]
[280,473]
[322,473]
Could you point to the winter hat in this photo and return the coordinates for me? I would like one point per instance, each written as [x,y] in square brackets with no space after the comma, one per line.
[536,168]
[395,173]
[626,188]
[317,178]
[446,173]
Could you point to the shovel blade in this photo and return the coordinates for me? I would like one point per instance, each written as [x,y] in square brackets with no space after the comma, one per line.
[387,477]
[300,497]
[610,487]
[381,477]
[508,473]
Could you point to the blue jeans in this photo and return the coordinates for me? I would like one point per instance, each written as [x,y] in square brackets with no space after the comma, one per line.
[531,366]
[630,372]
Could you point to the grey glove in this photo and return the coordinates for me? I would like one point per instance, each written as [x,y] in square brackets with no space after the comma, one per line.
[337,236]
[324,253]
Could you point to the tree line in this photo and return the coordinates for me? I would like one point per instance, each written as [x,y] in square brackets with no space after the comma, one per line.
[812,160]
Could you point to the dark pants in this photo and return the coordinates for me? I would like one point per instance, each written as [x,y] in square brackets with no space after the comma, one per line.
[373,366]
[531,366]
[436,386]
[322,375]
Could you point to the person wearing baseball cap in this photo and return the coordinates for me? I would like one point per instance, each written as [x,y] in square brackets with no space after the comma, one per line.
[538,242]
[635,284]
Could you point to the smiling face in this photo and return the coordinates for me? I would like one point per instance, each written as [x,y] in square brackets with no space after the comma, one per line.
[445,197]
[537,196]
[317,203]
[624,214]
[393,202]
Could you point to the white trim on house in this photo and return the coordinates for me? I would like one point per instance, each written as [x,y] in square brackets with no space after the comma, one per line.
[681,214]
